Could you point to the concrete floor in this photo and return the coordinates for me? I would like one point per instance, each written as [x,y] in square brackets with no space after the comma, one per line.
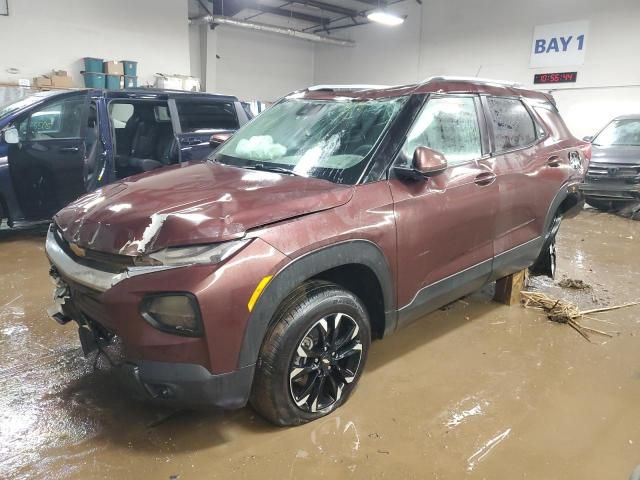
[478,390]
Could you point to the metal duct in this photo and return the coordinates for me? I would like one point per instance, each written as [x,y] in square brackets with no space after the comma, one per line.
[263,27]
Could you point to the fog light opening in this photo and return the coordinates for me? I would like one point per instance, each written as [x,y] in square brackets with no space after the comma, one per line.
[175,313]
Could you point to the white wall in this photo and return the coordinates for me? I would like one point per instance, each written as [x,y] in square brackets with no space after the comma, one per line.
[492,39]
[41,35]
[249,64]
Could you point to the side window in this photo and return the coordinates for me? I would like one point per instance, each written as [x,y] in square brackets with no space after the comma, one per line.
[513,127]
[120,113]
[448,125]
[197,116]
[59,119]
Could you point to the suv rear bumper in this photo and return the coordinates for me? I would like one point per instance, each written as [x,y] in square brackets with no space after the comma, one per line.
[184,384]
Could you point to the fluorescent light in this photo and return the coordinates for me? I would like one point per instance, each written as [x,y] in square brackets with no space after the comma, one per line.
[385,18]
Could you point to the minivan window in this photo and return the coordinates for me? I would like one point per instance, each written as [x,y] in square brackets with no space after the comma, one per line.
[198,116]
[24,102]
[513,126]
[58,119]
[326,139]
[620,132]
[448,125]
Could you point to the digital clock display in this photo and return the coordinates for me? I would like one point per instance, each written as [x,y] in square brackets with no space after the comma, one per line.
[562,77]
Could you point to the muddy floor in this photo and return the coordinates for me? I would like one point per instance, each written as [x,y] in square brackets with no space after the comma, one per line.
[477,390]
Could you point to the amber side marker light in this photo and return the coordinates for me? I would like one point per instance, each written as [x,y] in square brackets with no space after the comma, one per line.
[258,291]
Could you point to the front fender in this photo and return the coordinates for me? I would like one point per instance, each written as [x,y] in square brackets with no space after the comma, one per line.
[361,252]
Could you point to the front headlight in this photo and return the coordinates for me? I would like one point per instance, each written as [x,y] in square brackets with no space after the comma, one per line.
[196,254]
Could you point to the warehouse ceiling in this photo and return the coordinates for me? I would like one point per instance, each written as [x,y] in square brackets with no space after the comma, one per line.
[313,16]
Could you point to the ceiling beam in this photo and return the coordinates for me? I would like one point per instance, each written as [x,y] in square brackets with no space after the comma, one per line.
[374,3]
[229,8]
[283,12]
[327,7]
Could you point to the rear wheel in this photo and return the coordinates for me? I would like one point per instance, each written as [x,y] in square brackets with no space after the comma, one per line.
[312,358]
[546,261]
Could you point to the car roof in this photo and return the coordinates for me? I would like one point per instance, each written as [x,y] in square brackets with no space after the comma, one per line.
[164,93]
[160,94]
[631,116]
[430,85]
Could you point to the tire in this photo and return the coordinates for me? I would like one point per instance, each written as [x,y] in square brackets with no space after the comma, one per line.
[545,264]
[297,378]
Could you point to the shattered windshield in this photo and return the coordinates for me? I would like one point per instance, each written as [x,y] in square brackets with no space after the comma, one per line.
[312,138]
[15,105]
[620,132]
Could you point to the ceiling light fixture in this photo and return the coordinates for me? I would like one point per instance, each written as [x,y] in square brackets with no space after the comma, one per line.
[385,18]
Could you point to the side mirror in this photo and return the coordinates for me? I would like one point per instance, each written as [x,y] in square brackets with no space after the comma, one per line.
[425,163]
[588,138]
[219,138]
[428,162]
[11,136]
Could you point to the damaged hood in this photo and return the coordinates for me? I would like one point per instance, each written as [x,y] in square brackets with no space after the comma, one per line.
[191,204]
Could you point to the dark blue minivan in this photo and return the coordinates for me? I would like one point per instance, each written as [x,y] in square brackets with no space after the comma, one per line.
[56,146]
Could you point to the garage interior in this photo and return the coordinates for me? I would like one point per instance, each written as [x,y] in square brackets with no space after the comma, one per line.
[476,389]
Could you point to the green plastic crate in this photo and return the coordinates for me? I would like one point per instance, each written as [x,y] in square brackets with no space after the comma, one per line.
[130,68]
[93,65]
[112,82]
[130,82]
[93,79]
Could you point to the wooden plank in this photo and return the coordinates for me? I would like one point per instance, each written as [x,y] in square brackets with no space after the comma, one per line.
[508,288]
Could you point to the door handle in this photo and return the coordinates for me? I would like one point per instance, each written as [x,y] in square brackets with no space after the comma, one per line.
[553,161]
[69,150]
[191,141]
[485,178]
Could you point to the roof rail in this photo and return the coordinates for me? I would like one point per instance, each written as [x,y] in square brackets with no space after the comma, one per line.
[346,87]
[491,81]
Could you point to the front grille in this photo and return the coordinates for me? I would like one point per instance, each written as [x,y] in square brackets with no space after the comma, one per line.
[106,262]
[622,173]
[85,306]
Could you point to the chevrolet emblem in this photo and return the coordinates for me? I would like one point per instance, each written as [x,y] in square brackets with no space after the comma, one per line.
[78,251]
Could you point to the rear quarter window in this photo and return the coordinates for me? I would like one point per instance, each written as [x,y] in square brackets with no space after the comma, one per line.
[513,126]
[198,116]
[553,122]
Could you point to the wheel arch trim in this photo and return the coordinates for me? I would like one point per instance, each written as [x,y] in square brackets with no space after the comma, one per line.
[360,252]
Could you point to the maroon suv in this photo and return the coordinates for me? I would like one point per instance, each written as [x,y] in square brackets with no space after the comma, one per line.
[337,216]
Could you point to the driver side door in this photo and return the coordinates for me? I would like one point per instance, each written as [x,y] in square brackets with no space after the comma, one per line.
[47,165]
[445,223]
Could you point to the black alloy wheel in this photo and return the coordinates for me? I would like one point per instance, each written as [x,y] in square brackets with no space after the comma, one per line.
[327,359]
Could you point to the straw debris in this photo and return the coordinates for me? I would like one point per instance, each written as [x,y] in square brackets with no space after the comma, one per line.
[562,311]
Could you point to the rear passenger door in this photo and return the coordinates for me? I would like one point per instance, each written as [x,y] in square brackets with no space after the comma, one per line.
[198,119]
[516,161]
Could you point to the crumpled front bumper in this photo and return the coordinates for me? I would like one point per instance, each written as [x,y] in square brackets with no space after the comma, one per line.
[183,384]
[175,383]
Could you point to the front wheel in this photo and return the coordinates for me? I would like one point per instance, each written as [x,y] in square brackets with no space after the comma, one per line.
[313,356]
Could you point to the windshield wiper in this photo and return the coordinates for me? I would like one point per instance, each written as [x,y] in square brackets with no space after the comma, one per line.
[267,168]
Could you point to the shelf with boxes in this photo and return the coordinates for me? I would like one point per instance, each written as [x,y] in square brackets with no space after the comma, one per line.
[110,74]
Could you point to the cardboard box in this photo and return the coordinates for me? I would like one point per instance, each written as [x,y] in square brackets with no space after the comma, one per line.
[42,81]
[113,68]
[61,81]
